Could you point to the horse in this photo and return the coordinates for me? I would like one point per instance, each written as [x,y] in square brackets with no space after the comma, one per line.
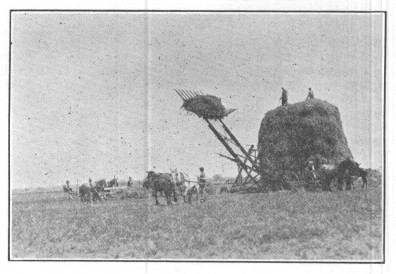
[361,173]
[67,188]
[96,188]
[342,171]
[113,182]
[161,182]
[145,184]
[186,187]
[85,193]
[100,184]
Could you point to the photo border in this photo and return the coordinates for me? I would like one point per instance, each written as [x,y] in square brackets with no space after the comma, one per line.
[206,260]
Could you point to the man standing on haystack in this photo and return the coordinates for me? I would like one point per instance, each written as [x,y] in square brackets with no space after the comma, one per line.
[202,183]
[310,94]
[284,97]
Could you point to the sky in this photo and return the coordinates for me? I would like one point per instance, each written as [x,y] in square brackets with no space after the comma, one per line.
[92,94]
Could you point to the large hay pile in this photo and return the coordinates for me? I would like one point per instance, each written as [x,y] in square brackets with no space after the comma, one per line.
[293,134]
[206,106]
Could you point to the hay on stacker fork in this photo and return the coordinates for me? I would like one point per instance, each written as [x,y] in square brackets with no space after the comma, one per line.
[204,106]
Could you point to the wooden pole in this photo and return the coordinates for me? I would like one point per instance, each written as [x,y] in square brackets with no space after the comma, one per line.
[240,169]
[238,144]
[235,161]
[238,175]
[248,181]
[229,158]
[218,135]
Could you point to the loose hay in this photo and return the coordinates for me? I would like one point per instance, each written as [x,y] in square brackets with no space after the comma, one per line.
[206,106]
[291,135]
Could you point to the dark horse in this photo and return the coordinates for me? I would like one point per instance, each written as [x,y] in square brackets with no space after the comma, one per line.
[159,182]
[91,191]
[96,189]
[113,182]
[343,171]
[85,193]
[100,185]
[360,172]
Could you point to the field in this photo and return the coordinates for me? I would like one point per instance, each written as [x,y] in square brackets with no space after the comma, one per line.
[280,225]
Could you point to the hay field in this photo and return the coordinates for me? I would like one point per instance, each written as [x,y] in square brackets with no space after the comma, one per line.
[267,226]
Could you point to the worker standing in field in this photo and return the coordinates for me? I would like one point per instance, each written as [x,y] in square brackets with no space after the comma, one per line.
[284,97]
[129,182]
[202,183]
[94,191]
[68,186]
[310,94]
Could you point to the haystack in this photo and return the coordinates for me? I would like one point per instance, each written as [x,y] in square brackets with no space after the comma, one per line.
[206,106]
[293,134]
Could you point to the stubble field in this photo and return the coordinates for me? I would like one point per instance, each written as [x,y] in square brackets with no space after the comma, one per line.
[281,225]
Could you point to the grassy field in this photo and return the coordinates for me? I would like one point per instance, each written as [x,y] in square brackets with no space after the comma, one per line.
[268,226]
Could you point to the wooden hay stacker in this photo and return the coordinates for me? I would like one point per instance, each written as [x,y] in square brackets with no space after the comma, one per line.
[248,177]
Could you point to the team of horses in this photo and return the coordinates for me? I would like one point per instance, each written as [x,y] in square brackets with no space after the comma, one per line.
[347,171]
[167,183]
[86,192]
[171,183]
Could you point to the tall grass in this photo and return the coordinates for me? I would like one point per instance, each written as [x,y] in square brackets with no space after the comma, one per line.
[280,225]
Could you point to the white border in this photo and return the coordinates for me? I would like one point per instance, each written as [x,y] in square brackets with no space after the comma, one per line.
[102,267]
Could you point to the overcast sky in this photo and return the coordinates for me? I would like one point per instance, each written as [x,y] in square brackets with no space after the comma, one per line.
[92,94]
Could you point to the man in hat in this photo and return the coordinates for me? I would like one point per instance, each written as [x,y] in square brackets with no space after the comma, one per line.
[94,191]
[202,182]
[310,94]
[69,189]
[284,97]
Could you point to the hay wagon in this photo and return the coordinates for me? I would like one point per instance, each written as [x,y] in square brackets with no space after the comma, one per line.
[112,192]
[292,181]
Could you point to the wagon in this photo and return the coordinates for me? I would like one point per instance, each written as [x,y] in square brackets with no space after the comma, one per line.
[290,181]
[311,181]
[293,181]
[112,192]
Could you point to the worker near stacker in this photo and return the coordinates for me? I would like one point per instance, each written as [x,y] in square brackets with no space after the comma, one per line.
[284,97]
[311,168]
[202,183]
[310,94]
